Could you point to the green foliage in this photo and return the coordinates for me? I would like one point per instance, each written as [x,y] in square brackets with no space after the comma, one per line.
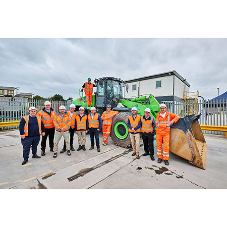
[57,97]
[37,97]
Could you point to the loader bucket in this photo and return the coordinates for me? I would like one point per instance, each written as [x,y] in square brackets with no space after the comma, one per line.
[188,142]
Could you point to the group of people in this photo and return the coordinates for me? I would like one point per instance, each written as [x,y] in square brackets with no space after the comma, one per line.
[146,125]
[65,124]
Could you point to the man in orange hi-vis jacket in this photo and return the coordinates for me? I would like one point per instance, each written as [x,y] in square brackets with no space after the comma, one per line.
[164,120]
[88,89]
[107,118]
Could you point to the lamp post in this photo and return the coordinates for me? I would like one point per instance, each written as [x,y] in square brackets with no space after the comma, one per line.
[218,91]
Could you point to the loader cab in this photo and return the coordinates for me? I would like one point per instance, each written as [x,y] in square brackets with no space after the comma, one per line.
[109,91]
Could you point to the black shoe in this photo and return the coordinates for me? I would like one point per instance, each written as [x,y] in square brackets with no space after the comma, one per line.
[166,162]
[24,162]
[159,160]
[145,154]
[91,148]
[35,156]
[72,149]
[79,148]
[152,158]
[98,149]
[83,147]
[68,153]
[55,155]
[43,153]
[63,150]
[51,149]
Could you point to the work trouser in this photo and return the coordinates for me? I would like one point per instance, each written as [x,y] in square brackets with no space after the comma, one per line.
[71,133]
[29,142]
[148,142]
[94,133]
[88,97]
[48,132]
[106,132]
[162,139]
[135,140]
[81,138]
[57,138]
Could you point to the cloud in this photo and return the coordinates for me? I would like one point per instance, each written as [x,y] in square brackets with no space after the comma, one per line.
[49,66]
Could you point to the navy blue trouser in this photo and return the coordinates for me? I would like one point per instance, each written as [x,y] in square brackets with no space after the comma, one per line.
[28,142]
[94,133]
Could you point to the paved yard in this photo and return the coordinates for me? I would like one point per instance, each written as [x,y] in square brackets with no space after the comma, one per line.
[113,167]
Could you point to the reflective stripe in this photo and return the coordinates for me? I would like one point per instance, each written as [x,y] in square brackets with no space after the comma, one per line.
[165,155]
[47,125]
[159,153]
[25,130]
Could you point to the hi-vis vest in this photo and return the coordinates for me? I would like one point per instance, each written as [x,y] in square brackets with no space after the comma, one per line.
[26,118]
[93,123]
[147,125]
[72,119]
[161,122]
[47,119]
[59,123]
[105,115]
[81,124]
[134,123]
[88,87]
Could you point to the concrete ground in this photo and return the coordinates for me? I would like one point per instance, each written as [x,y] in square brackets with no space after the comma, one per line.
[113,167]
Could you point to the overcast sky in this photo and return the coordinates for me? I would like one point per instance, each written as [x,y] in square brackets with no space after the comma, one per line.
[49,66]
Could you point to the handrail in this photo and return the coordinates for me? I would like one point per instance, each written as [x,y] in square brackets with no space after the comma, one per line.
[9,123]
[215,128]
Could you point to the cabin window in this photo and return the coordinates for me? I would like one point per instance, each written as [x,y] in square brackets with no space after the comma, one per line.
[134,87]
[158,83]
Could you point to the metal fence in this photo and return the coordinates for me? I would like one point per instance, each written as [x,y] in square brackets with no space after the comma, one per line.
[12,109]
[212,112]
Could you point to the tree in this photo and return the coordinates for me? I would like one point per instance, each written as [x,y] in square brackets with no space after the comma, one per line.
[70,98]
[37,97]
[58,97]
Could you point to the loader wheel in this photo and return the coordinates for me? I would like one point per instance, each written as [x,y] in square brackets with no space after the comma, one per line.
[119,130]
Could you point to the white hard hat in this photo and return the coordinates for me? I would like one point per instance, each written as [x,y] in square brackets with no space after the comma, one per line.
[147,110]
[162,105]
[62,108]
[81,108]
[32,108]
[47,103]
[134,108]
[93,108]
[73,106]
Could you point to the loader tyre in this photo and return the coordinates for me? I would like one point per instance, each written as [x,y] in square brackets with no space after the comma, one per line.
[119,130]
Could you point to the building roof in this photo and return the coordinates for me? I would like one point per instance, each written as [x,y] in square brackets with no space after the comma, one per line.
[220,97]
[8,88]
[170,73]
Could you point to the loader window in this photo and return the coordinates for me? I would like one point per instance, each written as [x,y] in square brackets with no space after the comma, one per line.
[100,88]
[117,88]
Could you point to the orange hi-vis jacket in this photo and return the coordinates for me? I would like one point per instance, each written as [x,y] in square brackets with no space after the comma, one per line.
[26,118]
[93,123]
[72,119]
[88,87]
[134,123]
[81,124]
[60,123]
[105,115]
[46,118]
[147,125]
[161,122]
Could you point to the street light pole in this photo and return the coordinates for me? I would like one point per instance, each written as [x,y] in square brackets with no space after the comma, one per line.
[218,91]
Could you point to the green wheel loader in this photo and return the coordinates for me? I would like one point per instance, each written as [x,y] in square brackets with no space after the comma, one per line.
[186,137]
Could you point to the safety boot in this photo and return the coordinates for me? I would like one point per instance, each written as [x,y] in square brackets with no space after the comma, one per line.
[103,143]
[166,162]
[24,162]
[79,148]
[68,153]
[98,149]
[159,160]
[55,155]
[72,148]
[63,150]
[91,148]
[43,153]
[83,147]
